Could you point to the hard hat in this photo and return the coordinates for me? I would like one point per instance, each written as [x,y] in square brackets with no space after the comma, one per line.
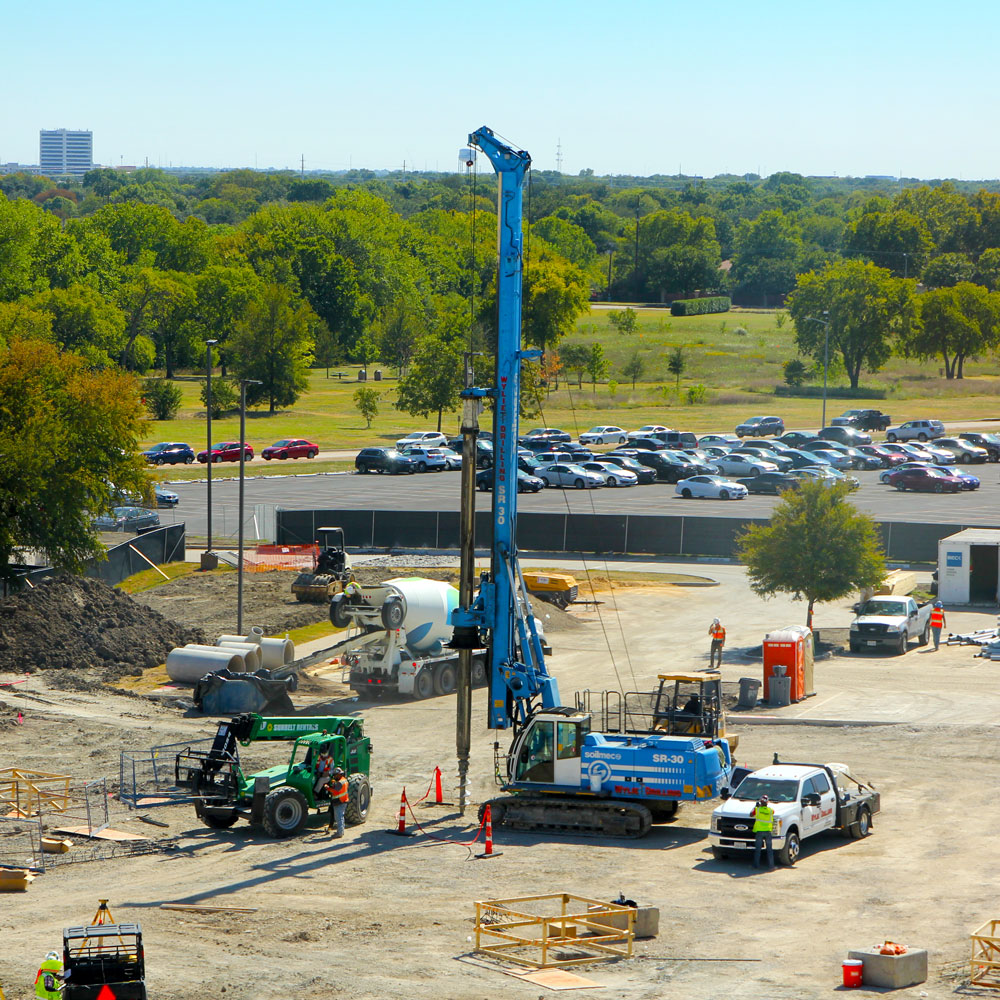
[715,621]
[52,955]
[338,772]
[762,801]
[938,604]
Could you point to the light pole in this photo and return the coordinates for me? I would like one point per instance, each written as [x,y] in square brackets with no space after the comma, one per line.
[208,558]
[239,546]
[826,355]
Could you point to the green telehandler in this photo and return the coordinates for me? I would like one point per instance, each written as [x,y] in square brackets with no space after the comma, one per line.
[277,798]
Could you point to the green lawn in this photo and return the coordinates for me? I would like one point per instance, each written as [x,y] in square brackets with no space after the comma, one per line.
[739,370]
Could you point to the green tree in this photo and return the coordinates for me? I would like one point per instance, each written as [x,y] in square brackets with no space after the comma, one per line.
[84,321]
[817,547]
[988,269]
[947,270]
[795,372]
[366,399]
[956,323]
[222,294]
[91,424]
[273,344]
[677,365]
[634,367]
[574,358]
[556,293]
[597,364]
[365,351]
[399,332]
[162,398]
[766,255]
[865,306]
[624,320]
[225,396]
[434,380]
[894,239]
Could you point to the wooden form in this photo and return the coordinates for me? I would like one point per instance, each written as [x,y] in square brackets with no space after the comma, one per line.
[15,879]
[198,908]
[985,968]
[25,793]
[506,930]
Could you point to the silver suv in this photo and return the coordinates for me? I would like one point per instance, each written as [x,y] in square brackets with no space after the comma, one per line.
[919,430]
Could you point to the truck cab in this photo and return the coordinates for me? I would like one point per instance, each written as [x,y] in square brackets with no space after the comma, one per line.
[890,622]
[807,799]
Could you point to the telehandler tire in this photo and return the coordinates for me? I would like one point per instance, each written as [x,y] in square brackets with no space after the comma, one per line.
[285,812]
[359,798]
[220,820]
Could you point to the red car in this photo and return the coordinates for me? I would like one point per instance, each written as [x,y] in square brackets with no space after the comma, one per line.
[226,451]
[291,448]
[925,481]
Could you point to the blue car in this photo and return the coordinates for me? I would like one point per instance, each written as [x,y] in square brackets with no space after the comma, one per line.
[169,453]
[164,498]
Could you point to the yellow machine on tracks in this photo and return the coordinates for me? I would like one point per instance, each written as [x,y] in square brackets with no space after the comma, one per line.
[331,572]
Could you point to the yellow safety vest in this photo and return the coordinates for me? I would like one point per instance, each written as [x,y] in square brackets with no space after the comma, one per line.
[763,819]
[46,984]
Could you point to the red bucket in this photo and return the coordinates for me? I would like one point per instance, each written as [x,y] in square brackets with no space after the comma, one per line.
[852,971]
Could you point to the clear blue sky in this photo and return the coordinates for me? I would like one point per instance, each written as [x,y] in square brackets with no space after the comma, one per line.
[639,87]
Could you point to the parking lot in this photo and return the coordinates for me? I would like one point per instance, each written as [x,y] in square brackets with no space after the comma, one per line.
[440,491]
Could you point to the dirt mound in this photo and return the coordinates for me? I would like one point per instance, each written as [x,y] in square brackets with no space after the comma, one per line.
[84,624]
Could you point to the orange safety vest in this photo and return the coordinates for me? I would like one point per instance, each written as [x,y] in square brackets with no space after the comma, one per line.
[718,633]
[338,790]
[937,618]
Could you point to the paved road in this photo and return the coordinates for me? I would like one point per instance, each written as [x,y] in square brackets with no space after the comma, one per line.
[440,491]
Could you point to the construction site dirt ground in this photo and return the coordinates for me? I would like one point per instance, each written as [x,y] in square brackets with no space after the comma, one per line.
[375,915]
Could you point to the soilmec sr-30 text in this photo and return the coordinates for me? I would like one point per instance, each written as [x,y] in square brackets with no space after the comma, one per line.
[277,798]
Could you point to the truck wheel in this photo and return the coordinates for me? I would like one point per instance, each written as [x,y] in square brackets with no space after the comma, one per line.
[789,854]
[445,679]
[855,648]
[221,819]
[359,798]
[285,812]
[478,672]
[392,613]
[925,635]
[903,643]
[423,684]
[863,827]
[339,615]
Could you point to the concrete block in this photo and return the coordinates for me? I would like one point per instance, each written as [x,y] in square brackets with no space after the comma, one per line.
[892,971]
[646,923]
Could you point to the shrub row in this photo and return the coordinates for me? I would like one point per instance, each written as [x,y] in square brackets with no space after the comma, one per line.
[833,392]
[695,307]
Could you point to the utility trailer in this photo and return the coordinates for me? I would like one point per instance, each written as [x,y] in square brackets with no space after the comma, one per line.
[277,798]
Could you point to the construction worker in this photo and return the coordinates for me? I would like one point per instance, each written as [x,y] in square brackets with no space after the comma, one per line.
[938,622]
[48,982]
[324,769]
[718,633]
[338,800]
[763,829]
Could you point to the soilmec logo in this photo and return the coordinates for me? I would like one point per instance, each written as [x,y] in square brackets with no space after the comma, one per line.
[599,769]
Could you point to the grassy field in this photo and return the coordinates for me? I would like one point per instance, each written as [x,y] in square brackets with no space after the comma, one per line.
[737,356]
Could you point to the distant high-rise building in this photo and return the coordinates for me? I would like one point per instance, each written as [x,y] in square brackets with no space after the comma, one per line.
[63,151]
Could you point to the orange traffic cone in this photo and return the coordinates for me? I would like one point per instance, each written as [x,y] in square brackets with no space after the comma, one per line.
[401,830]
[438,797]
[489,852]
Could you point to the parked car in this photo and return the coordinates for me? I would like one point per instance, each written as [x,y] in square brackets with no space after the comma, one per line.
[554,434]
[925,481]
[614,475]
[290,448]
[883,477]
[964,451]
[757,453]
[825,474]
[134,519]
[530,465]
[863,420]
[887,459]
[579,452]
[647,429]
[427,459]
[164,497]
[714,487]
[644,475]
[422,439]
[677,439]
[384,460]
[604,434]
[796,439]
[761,427]
[939,456]
[554,455]
[668,468]
[735,464]
[969,481]
[845,435]
[169,453]
[991,442]
[770,482]
[804,459]
[833,456]
[525,482]
[227,451]
[452,457]
[646,443]
[566,474]
[726,440]
[484,450]
[916,453]
[920,430]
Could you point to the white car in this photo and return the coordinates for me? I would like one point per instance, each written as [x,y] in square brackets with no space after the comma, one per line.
[423,439]
[922,430]
[427,459]
[725,440]
[743,465]
[964,451]
[604,434]
[647,429]
[715,487]
[569,474]
[614,475]
[453,458]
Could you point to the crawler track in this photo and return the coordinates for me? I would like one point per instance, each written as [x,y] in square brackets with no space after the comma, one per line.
[579,817]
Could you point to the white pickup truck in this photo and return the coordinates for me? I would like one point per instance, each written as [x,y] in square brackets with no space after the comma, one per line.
[892,622]
[806,798]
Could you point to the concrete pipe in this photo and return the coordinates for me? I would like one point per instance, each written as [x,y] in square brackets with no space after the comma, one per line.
[276,652]
[188,664]
[250,651]
[252,637]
